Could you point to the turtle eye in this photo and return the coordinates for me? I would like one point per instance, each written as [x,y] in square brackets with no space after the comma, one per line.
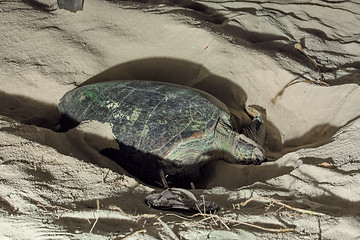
[249,154]
[243,154]
[177,163]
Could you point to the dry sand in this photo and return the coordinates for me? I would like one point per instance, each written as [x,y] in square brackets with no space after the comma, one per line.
[242,52]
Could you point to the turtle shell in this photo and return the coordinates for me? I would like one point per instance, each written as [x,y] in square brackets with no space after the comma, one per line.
[153,117]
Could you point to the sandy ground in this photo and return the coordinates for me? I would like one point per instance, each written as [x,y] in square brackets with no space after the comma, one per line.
[56,185]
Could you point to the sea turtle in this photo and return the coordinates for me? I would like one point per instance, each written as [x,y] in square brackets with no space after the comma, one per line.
[162,126]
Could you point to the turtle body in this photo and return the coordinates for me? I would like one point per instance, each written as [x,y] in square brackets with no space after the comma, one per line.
[161,126]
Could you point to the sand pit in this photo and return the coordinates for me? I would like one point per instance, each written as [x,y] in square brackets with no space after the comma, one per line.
[56,185]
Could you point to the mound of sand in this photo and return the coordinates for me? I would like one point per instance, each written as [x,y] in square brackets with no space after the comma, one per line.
[56,185]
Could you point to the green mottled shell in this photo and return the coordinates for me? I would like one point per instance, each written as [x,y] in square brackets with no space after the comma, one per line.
[153,117]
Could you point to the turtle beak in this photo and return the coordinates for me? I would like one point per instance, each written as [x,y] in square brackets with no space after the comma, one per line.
[258,156]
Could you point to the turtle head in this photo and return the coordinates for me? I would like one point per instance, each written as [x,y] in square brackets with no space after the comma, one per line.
[248,151]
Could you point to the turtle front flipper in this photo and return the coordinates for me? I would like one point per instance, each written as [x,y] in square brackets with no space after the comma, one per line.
[256,130]
[179,199]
